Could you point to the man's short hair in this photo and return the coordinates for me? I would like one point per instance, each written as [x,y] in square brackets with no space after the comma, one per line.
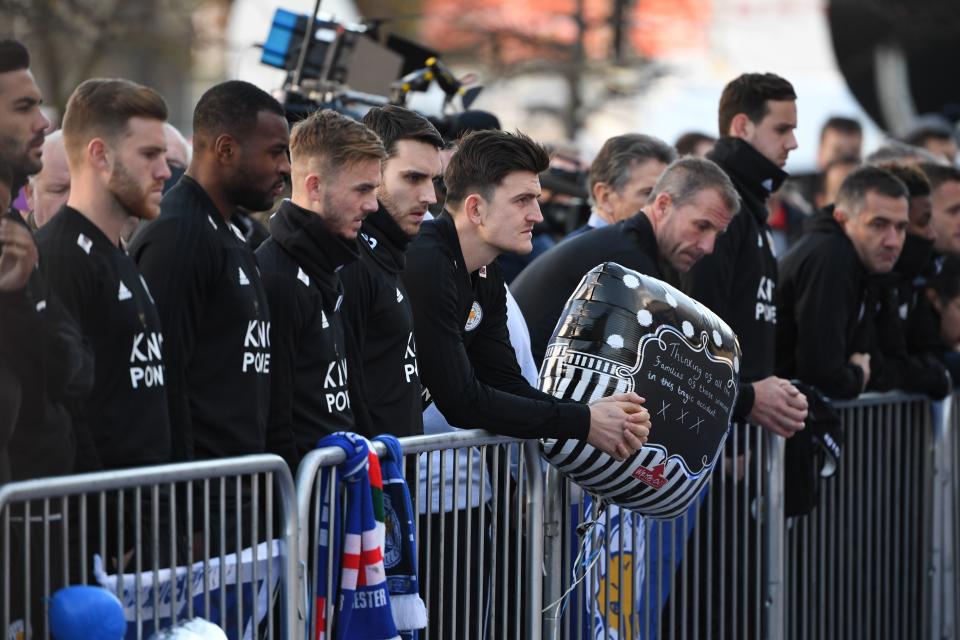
[392,123]
[688,176]
[232,108]
[852,195]
[938,174]
[748,94]
[916,182]
[841,124]
[820,186]
[619,155]
[13,56]
[336,140]
[901,152]
[687,143]
[485,158]
[102,108]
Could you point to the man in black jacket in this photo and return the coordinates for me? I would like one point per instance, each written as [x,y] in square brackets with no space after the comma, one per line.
[113,132]
[204,277]
[758,114]
[828,270]
[376,304]
[690,205]
[459,303]
[336,169]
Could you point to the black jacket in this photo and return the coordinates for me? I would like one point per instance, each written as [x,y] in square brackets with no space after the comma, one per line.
[309,397]
[43,349]
[376,307]
[823,311]
[467,365]
[125,416]
[738,281]
[542,289]
[216,325]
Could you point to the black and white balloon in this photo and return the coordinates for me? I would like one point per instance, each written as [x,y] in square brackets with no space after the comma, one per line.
[624,331]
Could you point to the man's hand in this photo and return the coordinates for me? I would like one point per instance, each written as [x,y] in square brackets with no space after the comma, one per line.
[619,425]
[778,406]
[18,257]
[862,360]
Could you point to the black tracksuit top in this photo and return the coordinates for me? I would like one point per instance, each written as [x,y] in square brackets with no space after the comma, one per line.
[376,307]
[216,325]
[467,364]
[309,397]
[738,280]
[543,288]
[124,421]
[823,315]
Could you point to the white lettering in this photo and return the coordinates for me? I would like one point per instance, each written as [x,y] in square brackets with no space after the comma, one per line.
[336,374]
[258,360]
[151,376]
[258,335]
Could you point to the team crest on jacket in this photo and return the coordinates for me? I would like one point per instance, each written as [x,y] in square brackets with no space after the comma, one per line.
[476,315]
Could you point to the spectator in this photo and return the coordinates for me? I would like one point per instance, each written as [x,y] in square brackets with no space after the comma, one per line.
[49,189]
[205,279]
[113,134]
[934,133]
[459,307]
[622,177]
[902,153]
[738,281]
[691,203]
[830,179]
[935,327]
[335,164]
[828,269]
[840,137]
[694,143]
[376,304]
[945,212]
[178,149]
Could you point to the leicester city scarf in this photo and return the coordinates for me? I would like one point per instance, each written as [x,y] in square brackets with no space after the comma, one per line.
[400,547]
[363,607]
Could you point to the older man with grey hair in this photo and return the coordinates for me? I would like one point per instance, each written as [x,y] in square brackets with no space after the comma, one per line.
[691,203]
[622,177]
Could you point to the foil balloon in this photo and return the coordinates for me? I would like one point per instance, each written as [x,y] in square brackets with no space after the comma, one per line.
[82,612]
[624,331]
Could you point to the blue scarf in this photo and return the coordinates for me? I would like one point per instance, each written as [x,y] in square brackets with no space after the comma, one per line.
[400,548]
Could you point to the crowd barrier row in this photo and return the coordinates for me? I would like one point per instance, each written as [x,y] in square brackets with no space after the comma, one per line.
[508,548]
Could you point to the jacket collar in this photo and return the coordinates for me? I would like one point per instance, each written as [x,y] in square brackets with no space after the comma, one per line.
[754,175]
[386,240]
[306,237]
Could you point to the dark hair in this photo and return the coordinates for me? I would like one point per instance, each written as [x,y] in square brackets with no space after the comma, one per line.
[393,123]
[620,154]
[102,108]
[748,94]
[465,122]
[231,107]
[13,56]
[847,126]
[485,158]
[938,174]
[853,191]
[687,143]
[842,161]
[946,284]
[917,183]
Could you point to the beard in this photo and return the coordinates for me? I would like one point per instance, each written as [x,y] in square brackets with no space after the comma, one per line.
[131,196]
[244,192]
[17,156]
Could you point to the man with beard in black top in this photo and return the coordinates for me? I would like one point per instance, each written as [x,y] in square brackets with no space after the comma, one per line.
[376,305]
[336,169]
[829,269]
[113,133]
[690,205]
[205,280]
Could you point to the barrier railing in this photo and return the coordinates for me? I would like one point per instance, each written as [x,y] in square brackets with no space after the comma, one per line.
[478,533]
[214,539]
[506,551]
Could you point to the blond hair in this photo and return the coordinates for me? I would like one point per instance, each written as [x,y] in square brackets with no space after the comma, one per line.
[335,140]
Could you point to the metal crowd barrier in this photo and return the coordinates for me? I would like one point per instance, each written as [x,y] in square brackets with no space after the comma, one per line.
[173,541]
[478,533]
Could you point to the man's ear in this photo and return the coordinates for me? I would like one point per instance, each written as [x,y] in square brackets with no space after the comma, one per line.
[601,195]
[473,208]
[96,152]
[660,207]
[840,216]
[225,148]
[934,300]
[741,126]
